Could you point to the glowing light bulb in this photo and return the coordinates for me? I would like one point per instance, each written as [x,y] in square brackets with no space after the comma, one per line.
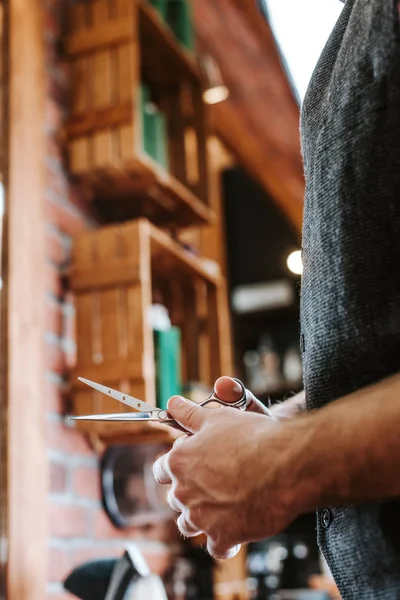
[295,263]
[216,94]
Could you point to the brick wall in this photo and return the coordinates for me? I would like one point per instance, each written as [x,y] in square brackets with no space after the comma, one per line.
[79,529]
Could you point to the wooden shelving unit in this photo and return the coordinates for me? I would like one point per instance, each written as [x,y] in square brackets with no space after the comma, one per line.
[118,271]
[115,270]
[113,52]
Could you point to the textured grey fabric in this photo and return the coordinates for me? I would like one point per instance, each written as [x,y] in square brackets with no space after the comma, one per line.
[350,300]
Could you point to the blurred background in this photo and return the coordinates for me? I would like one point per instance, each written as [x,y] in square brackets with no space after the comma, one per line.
[151,241]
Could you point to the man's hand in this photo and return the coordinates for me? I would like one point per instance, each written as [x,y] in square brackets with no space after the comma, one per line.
[227,479]
[242,476]
[229,390]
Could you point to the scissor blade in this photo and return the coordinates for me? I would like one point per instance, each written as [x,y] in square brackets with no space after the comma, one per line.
[138,417]
[120,396]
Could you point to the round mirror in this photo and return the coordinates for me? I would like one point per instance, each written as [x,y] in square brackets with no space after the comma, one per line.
[131,496]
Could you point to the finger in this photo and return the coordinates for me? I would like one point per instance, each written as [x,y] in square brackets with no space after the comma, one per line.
[187,413]
[161,470]
[186,528]
[180,440]
[230,390]
[174,502]
[220,551]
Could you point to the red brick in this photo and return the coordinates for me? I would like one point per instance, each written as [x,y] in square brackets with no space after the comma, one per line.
[54,150]
[54,397]
[53,280]
[79,198]
[54,318]
[67,220]
[164,531]
[53,115]
[55,359]
[58,477]
[87,482]
[159,562]
[56,180]
[55,250]
[60,564]
[65,439]
[95,552]
[69,325]
[103,528]
[68,521]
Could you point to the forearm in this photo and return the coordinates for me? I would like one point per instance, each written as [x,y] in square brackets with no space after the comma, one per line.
[347,452]
[290,408]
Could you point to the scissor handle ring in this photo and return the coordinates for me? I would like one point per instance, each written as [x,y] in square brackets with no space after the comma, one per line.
[240,404]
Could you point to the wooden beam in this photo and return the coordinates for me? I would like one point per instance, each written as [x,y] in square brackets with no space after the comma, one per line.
[251,155]
[262,29]
[259,122]
[24,275]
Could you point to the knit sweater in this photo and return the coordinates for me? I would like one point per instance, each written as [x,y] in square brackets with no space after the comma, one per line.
[350,297]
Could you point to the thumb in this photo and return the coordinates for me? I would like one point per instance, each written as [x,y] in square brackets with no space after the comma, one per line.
[187,413]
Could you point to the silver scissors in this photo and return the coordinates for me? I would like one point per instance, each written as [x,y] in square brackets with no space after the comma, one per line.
[146,411]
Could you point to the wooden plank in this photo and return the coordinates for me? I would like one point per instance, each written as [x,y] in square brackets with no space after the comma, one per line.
[126,142]
[117,370]
[124,8]
[115,272]
[251,154]
[79,149]
[125,65]
[77,16]
[190,335]
[102,145]
[84,328]
[139,299]
[79,156]
[101,89]
[103,36]
[80,87]
[201,127]
[89,122]
[99,9]
[26,495]
[162,243]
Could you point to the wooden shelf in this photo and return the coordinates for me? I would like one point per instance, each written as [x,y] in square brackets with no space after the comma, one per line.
[157,38]
[168,257]
[114,272]
[140,187]
[111,58]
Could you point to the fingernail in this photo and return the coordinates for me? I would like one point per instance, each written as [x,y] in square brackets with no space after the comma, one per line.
[237,388]
[176,402]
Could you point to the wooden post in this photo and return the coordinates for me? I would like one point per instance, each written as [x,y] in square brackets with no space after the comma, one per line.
[22,375]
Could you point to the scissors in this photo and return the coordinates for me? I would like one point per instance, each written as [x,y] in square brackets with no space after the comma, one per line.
[147,412]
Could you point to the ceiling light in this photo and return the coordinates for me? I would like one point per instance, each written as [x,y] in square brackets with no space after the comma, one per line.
[294,262]
[215,90]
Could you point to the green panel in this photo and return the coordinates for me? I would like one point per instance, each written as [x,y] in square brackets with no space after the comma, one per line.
[160,6]
[148,123]
[167,346]
[179,18]
[161,140]
[154,127]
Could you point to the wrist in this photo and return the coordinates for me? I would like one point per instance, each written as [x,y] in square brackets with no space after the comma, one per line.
[301,468]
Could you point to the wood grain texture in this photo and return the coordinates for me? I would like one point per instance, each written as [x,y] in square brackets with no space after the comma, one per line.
[260,120]
[26,451]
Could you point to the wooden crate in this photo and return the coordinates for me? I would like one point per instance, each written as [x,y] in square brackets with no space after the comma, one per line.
[115,271]
[114,46]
